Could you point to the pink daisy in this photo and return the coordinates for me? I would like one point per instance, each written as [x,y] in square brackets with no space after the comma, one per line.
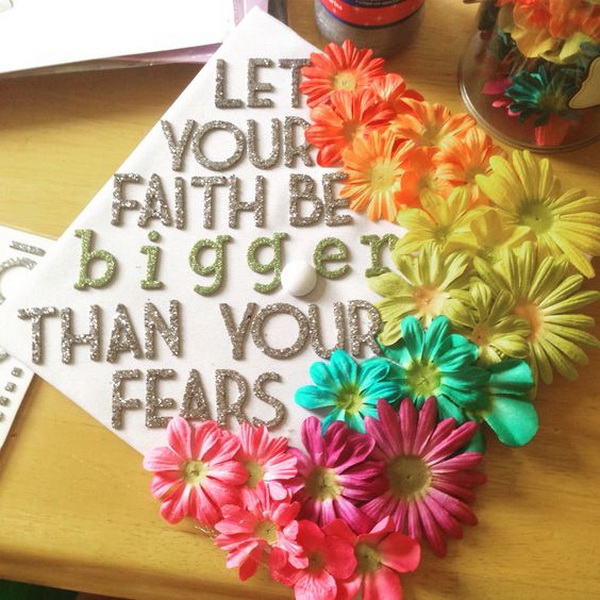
[382,555]
[330,560]
[196,473]
[337,474]
[249,533]
[427,483]
[268,462]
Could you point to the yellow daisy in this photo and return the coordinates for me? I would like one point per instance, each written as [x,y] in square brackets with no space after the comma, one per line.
[443,221]
[422,288]
[545,294]
[529,197]
[486,318]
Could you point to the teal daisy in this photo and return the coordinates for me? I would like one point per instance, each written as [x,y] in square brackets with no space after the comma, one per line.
[436,362]
[351,390]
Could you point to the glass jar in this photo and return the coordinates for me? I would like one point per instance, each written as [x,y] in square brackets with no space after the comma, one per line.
[531,74]
[385,26]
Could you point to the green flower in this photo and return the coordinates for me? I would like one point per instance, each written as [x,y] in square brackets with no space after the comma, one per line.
[508,409]
[486,318]
[422,287]
[437,362]
[350,389]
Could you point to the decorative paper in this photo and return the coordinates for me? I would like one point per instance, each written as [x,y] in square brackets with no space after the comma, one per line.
[20,253]
[71,31]
[134,263]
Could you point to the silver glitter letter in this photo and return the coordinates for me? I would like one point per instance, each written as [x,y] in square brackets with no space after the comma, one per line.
[194,405]
[314,321]
[357,338]
[264,163]
[221,100]
[291,149]
[209,184]
[177,147]
[153,322]
[155,204]
[123,337]
[302,188]
[119,404]
[258,335]
[236,205]
[295,64]
[68,339]
[260,393]
[119,202]
[224,407]
[35,315]
[219,165]
[332,203]
[237,333]
[255,86]
[153,401]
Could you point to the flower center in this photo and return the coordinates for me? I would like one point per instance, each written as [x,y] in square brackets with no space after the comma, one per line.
[537,216]
[194,472]
[429,300]
[480,335]
[409,477]
[534,315]
[350,399]
[266,530]
[367,558]
[322,484]
[255,474]
[316,561]
[344,80]
[423,378]
[350,129]
[382,177]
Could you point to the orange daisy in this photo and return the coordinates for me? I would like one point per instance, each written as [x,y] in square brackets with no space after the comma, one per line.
[430,124]
[419,176]
[346,116]
[463,159]
[342,67]
[391,88]
[374,167]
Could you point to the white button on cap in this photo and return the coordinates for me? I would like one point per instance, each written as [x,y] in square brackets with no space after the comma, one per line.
[298,278]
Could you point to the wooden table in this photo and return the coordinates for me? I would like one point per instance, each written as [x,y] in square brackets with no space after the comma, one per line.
[75,510]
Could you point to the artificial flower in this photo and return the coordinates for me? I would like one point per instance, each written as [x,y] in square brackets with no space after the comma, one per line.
[418,178]
[391,89]
[508,409]
[444,222]
[528,196]
[541,93]
[374,167]
[428,481]
[430,124]
[350,389]
[491,235]
[437,362]
[342,67]
[196,473]
[548,297]
[346,116]
[336,474]
[485,317]
[268,462]
[382,555]
[462,159]
[330,560]
[422,288]
[249,533]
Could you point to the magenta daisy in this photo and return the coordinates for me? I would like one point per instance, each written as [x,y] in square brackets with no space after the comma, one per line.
[268,462]
[331,559]
[428,482]
[249,534]
[195,474]
[382,554]
[337,474]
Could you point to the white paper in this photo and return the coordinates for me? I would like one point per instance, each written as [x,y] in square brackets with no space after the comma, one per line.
[41,33]
[205,345]
[20,254]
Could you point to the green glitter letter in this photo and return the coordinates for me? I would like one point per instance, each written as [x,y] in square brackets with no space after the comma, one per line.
[217,268]
[274,265]
[87,256]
